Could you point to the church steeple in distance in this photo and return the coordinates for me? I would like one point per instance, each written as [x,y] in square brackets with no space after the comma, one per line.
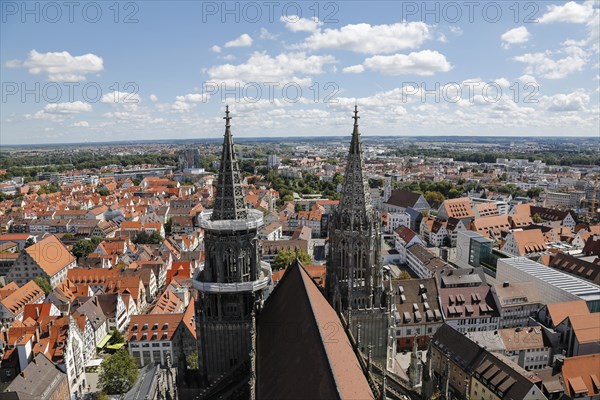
[354,265]
[230,200]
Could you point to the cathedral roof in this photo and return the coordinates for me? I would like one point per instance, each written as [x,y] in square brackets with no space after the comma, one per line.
[301,339]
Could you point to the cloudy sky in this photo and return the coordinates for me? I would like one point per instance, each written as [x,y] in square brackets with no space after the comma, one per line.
[102,71]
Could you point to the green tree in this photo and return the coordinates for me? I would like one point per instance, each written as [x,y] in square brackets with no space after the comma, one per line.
[192,360]
[537,218]
[287,256]
[144,237]
[435,199]
[117,337]
[103,191]
[43,284]
[83,247]
[118,373]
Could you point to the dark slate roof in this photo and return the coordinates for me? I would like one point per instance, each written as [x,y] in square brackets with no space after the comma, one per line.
[592,246]
[403,198]
[459,348]
[584,269]
[39,375]
[302,349]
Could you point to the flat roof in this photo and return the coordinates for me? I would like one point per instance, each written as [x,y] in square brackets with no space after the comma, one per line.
[569,283]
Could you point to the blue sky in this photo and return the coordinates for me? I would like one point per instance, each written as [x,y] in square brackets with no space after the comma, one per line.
[104,71]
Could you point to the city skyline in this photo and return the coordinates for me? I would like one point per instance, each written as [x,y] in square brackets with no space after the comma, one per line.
[413,70]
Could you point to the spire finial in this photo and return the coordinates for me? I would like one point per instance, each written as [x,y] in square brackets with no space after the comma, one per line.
[227,118]
[356,117]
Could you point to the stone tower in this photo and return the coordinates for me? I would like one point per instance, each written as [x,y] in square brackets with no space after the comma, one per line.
[234,280]
[355,283]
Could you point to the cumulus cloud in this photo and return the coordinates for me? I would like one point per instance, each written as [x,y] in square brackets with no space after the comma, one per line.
[60,66]
[424,63]
[215,49]
[243,41]
[353,69]
[120,97]
[544,65]
[153,98]
[283,68]
[515,36]
[80,124]
[370,39]
[561,102]
[60,111]
[194,98]
[297,24]
[569,12]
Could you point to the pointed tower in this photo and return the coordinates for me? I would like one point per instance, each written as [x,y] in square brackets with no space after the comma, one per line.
[233,282]
[354,267]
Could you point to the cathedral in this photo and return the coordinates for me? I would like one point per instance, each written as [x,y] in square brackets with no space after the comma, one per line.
[256,341]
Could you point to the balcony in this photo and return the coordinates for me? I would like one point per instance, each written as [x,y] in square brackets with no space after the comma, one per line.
[253,221]
[214,287]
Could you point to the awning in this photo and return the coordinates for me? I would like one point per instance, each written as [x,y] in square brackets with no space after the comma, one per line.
[115,346]
[104,341]
[94,363]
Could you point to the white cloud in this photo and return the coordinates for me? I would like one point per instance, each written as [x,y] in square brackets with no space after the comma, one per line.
[194,98]
[261,67]
[370,39]
[503,82]
[243,41]
[60,111]
[120,97]
[181,106]
[80,124]
[297,24]
[60,66]
[542,64]
[75,107]
[266,35]
[153,98]
[423,63]
[228,57]
[528,79]
[569,12]
[515,36]
[353,69]
[575,101]
[215,49]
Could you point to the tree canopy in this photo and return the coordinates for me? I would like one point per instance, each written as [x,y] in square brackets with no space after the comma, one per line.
[43,284]
[286,257]
[118,373]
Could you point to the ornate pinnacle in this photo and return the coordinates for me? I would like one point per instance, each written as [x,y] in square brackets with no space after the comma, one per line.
[227,118]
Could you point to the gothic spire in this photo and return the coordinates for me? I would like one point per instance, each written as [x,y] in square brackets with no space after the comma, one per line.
[355,192]
[230,202]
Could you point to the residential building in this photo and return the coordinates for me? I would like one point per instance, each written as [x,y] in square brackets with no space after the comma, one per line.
[40,380]
[13,305]
[48,259]
[417,311]
[517,302]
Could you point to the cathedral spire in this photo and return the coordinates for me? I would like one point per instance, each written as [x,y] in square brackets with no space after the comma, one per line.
[355,145]
[355,192]
[230,202]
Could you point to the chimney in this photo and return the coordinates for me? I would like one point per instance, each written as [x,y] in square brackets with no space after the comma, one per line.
[506,284]
[37,312]
[23,374]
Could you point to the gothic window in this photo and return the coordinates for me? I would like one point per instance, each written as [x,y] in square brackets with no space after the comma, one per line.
[230,265]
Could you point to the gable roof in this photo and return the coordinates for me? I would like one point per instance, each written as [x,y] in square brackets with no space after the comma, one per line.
[581,374]
[50,254]
[322,356]
[403,198]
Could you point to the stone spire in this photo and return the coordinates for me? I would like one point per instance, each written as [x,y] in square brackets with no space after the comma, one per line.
[355,193]
[230,202]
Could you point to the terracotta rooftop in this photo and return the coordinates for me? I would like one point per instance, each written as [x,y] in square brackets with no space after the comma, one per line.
[559,311]
[581,375]
[50,254]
